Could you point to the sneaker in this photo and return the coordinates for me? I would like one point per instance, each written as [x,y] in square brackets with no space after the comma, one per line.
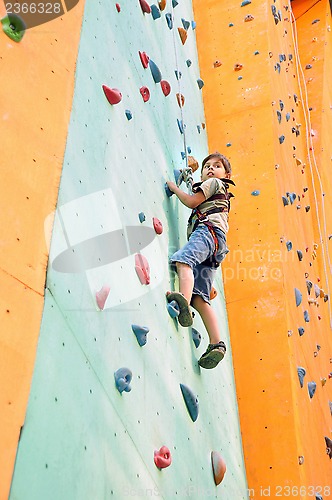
[185,317]
[213,355]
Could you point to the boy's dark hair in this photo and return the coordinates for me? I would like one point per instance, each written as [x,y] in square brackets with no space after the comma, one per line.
[221,157]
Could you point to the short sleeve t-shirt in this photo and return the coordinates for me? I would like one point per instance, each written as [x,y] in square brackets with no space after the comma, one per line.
[211,187]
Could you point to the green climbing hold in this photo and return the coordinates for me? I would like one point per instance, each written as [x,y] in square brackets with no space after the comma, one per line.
[14,27]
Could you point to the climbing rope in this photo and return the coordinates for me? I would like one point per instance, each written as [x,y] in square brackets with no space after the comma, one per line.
[311,154]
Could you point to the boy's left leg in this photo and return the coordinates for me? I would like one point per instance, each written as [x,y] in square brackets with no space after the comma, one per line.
[216,349]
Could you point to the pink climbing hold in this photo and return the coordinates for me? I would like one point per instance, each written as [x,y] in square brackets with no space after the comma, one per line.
[162,457]
[101,296]
[145,92]
[165,87]
[142,269]
[144,59]
[145,7]
[157,224]
[118,8]
[113,96]
[218,467]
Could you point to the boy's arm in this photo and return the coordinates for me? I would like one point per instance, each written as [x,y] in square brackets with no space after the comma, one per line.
[189,200]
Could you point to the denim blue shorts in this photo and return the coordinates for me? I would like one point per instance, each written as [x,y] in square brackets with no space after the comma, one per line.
[199,248]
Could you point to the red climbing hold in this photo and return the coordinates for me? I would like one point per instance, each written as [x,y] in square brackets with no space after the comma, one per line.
[158,227]
[142,269]
[145,6]
[113,96]
[145,92]
[101,296]
[162,457]
[118,8]
[165,87]
[144,59]
[218,467]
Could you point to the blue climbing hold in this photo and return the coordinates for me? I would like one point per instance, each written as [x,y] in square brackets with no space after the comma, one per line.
[279,116]
[177,174]
[281,104]
[174,3]
[183,155]
[180,125]
[231,25]
[199,129]
[309,286]
[301,331]
[191,402]
[185,24]
[140,333]
[196,336]
[141,217]
[289,245]
[173,309]
[156,74]
[240,77]
[255,193]
[299,254]
[245,2]
[128,114]
[193,25]
[178,74]
[285,200]
[292,197]
[228,145]
[298,297]
[200,83]
[169,20]
[169,193]
[256,53]
[189,150]
[155,12]
[123,378]
[287,117]
[188,63]
[311,388]
[306,316]
[301,374]
[281,139]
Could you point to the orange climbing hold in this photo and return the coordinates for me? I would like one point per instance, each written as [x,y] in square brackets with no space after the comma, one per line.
[183,35]
[217,63]
[162,4]
[238,67]
[218,467]
[213,293]
[180,99]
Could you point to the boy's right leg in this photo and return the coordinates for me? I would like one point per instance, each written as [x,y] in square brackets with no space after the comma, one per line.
[186,280]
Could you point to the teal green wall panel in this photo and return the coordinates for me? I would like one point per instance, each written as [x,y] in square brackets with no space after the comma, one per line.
[81,438]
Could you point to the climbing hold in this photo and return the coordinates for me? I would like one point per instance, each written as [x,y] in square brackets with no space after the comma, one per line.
[301,331]
[142,269]
[255,193]
[169,193]
[281,104]
[140,333]
[256,53]
[156,74]
[292,197]
[144,59]
[323,381]
[311,388]
[299,254]
[213,293]
[231,25]
[217,63]
[128,114]
[162,4]
[180,99]
[218,467]
[200,83]
[289,245]
[180,125]
[285,200]
[315,21]
[165,87]
[281,139]
[113,96]
[328,446]
[178,176]
[141,217]
[14,27]
[178,74]
[145,93]
[316,290]
[248,18]
[157,224]
[117,6]
[188,63]
[185,24]
[238,67]
[173,309]
[301,374]
[101,296]
[191,401]
[196,336]
[199,129]
[307,208]
[279,116]
[228,145]
[183,35]
[306,316]
[309,286]
[287,117]
[193,25]
[146,9]
[298,297]
[123,378]
[155,12]
[162,457]
[245,2]
[169,20]
[174,3]
[301,460]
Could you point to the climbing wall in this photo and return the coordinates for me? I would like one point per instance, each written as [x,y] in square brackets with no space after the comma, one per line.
[106,411]
[37,77]
[268,107]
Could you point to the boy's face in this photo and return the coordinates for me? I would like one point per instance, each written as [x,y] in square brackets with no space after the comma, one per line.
[214,168]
